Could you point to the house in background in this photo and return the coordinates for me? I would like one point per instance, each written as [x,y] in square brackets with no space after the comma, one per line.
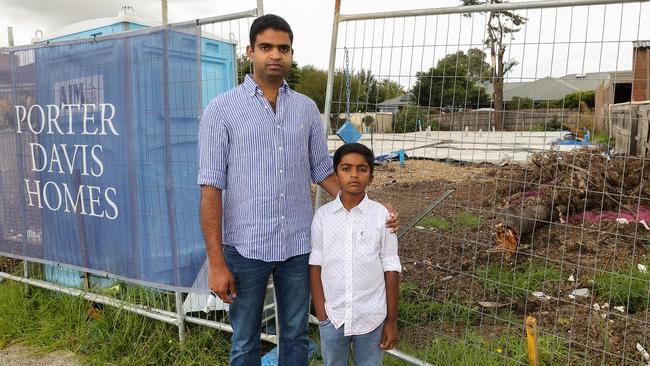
[625,86]
[396,104]
[550,88]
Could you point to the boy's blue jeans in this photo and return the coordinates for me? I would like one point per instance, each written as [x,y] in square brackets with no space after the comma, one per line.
[291,281]
[335,346]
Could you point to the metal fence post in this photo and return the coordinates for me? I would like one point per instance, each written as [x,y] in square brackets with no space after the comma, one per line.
[181,315]
[327,108]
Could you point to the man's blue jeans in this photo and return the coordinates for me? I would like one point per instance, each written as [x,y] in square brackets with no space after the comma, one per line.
[291,281]
[335,346]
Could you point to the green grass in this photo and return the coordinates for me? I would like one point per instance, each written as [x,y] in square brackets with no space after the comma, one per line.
[516,282]
[436,223]
[418,307]
[474,349]
[628,287]
[51,321]
[466,220]
[463,220]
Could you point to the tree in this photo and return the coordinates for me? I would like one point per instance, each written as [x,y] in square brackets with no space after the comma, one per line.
[574,100]
[500,25]
[294,76]
[365,90]
[243,68]
[473,62]
[313,83]
[449,84]
[388,89]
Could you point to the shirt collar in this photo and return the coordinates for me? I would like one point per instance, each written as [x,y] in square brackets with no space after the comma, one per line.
[362,206]
[252,88]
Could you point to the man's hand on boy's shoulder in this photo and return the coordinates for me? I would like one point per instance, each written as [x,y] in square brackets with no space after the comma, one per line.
[393,219]
[389,336]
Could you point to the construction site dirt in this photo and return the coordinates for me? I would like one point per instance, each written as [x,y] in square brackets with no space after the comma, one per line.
[448,258]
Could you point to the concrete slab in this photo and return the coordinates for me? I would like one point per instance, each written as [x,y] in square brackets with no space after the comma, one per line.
[471,146]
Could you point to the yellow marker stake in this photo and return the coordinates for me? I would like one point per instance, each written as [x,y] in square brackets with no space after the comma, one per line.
[531,334]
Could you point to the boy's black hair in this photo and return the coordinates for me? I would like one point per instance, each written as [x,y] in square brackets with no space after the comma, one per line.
[269,21]
[355,148]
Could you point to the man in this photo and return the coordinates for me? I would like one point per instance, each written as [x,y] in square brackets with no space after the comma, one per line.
[262,144]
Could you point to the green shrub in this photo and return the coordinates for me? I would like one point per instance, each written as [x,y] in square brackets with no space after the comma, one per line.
[519,103]
[572,100]
[604,139]
[554,124]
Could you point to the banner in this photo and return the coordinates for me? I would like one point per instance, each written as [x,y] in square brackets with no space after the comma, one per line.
[99,147]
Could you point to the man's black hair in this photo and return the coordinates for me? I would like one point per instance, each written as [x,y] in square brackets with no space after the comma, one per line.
[355,148]
[269,21]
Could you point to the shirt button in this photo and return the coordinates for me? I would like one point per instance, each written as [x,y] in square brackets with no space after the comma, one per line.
[281,194]
[282,217]
[280,148]
[278,126]
[281,170]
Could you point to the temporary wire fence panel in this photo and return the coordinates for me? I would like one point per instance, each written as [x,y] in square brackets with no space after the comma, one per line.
[547,217]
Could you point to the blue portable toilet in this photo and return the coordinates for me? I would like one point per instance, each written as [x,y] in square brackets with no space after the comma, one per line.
[136,243]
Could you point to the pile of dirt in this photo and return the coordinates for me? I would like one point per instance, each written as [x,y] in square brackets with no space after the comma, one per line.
[582,180]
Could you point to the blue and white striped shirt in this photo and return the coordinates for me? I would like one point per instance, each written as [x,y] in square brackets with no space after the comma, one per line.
[265,162]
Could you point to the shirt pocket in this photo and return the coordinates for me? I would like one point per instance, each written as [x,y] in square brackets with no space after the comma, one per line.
[368,242]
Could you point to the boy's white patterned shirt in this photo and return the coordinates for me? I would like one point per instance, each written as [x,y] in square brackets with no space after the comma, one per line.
[354,249]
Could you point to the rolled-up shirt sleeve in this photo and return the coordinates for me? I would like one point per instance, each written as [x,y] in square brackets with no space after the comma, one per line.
[213,149]
[319,159]
[388,254]
[316,255]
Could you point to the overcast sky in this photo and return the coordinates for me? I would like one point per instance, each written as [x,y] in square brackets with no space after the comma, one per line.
[554,41]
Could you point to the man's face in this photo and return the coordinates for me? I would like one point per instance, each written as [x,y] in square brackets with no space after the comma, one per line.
[272,54]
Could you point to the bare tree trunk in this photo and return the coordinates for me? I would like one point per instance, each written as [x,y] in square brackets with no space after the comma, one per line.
[498,92]
[497,96]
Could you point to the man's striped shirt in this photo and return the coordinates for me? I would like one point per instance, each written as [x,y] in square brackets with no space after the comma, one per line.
[265,162]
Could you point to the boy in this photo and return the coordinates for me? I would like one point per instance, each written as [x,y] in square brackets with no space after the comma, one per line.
[354,267]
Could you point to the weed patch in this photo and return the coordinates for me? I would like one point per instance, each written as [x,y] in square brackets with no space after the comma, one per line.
[628,287]
[51,321]
[474,349]
[517,282]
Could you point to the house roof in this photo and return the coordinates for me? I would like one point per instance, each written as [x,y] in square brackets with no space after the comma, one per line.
[401,100]
[553,88]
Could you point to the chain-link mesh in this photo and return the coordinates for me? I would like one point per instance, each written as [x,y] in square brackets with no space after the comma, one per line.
[550,206]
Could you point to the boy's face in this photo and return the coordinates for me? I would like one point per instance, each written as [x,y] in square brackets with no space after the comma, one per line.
[272,54]
[353,173]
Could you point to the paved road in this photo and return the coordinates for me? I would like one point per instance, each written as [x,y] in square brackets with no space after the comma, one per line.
[18,355]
